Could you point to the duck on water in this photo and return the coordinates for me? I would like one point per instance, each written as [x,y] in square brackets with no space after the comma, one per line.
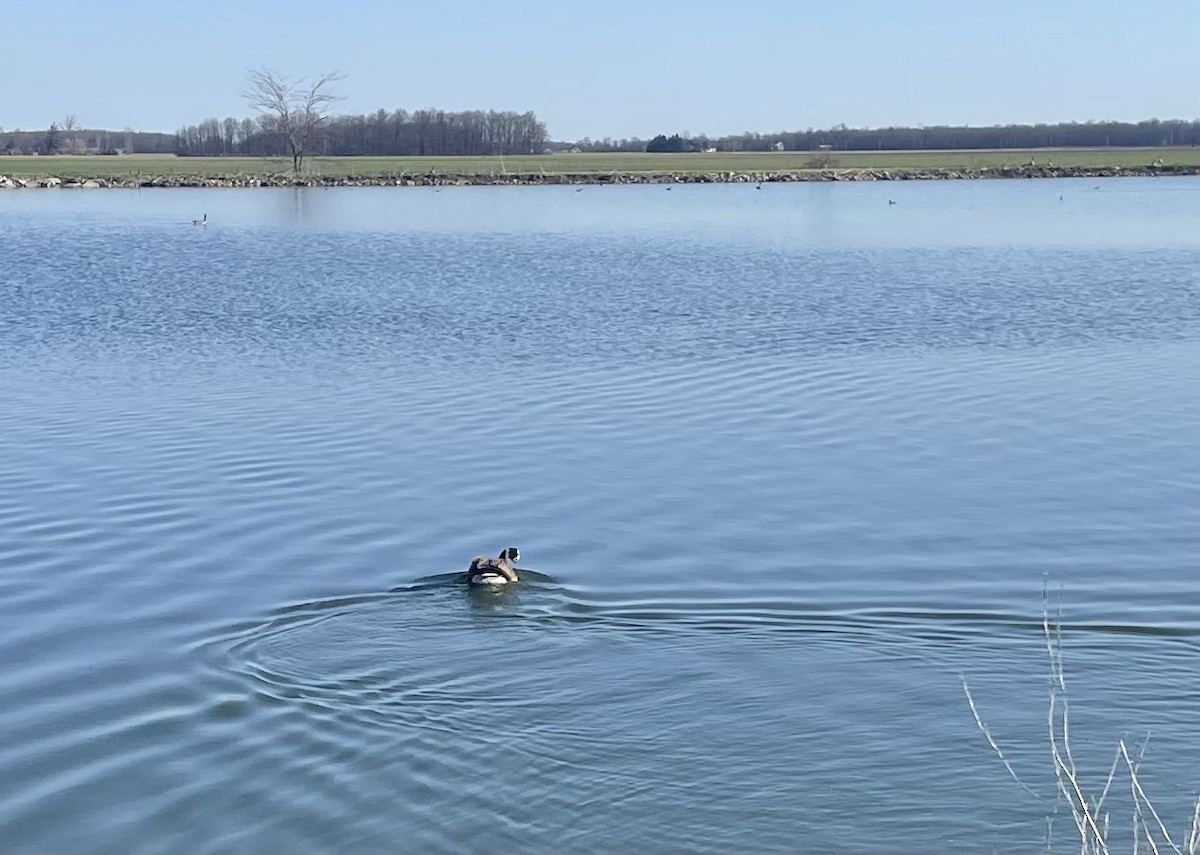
[494,571]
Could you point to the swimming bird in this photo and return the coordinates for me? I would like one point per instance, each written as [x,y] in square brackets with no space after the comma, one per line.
[891,201]
[494,571]
[203,221]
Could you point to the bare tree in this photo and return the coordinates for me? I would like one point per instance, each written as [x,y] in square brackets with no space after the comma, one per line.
[70,129]
[297,108]
[229,126]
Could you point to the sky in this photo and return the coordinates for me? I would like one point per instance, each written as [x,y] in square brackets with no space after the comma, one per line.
[611,69]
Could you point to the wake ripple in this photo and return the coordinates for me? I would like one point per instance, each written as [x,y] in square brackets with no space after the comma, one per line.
[419,654]
[498,708]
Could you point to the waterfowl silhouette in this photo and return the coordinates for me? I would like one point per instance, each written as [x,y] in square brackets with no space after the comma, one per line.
[494,571]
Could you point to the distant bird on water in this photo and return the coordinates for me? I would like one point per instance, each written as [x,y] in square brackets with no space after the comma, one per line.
[891,201]
[203,221]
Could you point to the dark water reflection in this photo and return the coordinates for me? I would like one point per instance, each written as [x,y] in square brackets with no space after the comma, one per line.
[787,464]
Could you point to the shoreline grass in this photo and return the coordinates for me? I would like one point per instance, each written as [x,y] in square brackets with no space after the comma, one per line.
[97,166]
[1088,808]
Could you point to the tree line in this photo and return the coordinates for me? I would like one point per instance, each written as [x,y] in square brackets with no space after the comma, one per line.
[1151,132]
[421,132]
[68,138]
[294,120]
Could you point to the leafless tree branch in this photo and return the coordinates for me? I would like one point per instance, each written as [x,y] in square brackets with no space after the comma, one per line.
[295,108]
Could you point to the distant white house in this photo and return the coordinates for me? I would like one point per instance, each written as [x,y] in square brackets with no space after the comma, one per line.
[777,146]
[710,150]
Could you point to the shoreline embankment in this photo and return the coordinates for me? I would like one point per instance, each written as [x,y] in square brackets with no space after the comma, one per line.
[135,181]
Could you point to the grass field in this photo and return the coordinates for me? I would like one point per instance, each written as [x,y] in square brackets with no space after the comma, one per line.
[155,165]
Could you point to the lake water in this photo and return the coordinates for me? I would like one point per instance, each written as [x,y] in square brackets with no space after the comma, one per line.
[788,465]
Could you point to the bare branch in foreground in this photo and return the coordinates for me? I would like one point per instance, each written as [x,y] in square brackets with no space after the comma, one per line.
[1090,818]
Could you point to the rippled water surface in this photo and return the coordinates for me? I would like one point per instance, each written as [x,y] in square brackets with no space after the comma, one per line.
[787,465]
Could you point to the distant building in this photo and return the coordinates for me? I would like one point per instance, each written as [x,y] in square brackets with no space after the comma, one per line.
[777,146]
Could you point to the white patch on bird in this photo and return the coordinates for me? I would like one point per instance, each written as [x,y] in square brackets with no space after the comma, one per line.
[489,579]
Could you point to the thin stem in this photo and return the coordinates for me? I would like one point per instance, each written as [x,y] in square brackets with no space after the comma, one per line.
[1139,792]
[1194,833]
[983,728]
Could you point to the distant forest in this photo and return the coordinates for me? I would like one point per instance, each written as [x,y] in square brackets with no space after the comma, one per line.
[62,140]
[442,133]
[1152,132]
[422,132]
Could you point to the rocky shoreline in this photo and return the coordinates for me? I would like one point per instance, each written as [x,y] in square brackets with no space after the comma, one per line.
[450,179]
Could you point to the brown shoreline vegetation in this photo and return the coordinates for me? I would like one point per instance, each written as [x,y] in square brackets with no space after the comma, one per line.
[465,179]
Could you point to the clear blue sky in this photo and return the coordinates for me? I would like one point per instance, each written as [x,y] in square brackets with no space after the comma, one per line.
[615,68]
